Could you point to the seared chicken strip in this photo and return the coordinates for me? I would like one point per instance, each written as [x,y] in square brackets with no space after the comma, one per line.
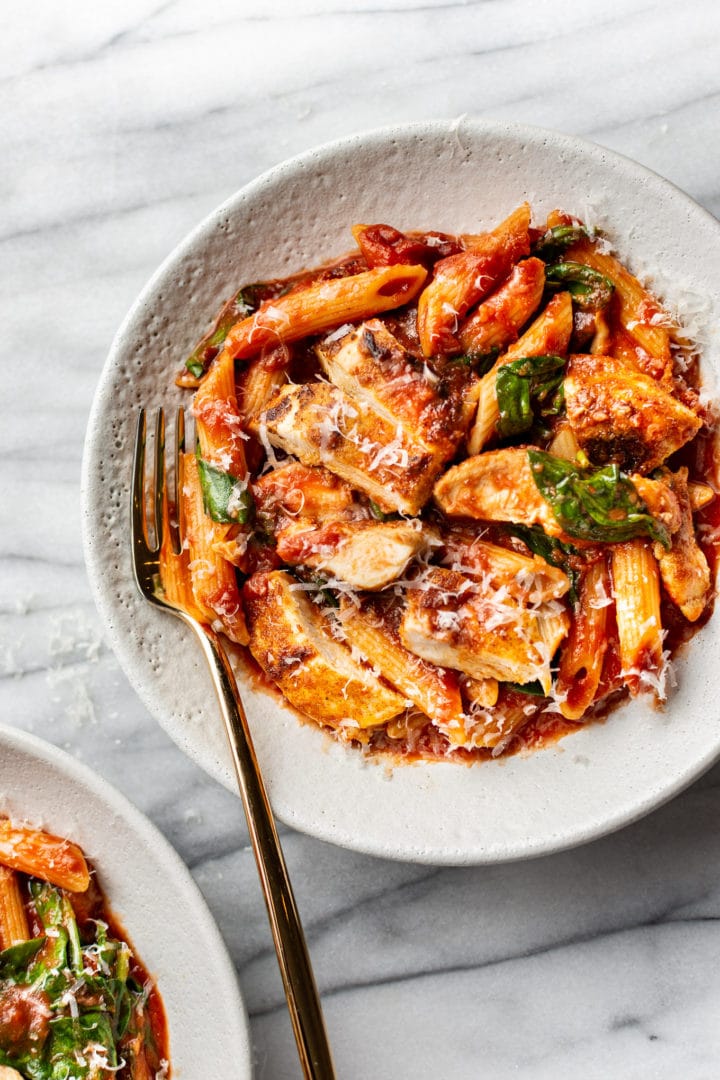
[620,415]
[293,644]
[495,486]
[371,366]
[454,622]
[321,425]
[365,554]
[684,568]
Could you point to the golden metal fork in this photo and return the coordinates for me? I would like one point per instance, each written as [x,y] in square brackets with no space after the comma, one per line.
[293,957]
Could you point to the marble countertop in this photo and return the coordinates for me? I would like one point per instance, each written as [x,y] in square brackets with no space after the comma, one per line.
[122,125]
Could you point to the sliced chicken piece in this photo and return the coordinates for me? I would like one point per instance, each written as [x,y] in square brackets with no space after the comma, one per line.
[365,554]
[321,425]
[623,416]
[293,644]
[660,499]
[495,486]
[434,690]
[372,366]
[485,633]
[684,569]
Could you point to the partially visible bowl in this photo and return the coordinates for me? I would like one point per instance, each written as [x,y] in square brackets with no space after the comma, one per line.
[454,177]
[150,891]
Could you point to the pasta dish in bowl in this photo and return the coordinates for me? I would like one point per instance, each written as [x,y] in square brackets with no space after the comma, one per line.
[100,922]
[74,999]
[480,504]
[451,494]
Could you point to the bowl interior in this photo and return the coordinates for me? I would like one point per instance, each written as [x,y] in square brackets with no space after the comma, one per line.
[456,178]
[144,881]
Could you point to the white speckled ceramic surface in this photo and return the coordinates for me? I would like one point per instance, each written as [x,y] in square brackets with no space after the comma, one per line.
[151,892]
[455,176]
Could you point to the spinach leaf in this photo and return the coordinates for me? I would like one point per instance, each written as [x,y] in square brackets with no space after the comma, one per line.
[70,1041]
[377,511]
[532,688]
[600,505]
[239,307]
[381,515]
[552,550]
[590,289]
[556,240]
[195,367]
[483,362]
[528,386]
[224,498]
[15,960]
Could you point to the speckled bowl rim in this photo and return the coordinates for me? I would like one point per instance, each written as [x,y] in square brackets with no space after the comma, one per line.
[165,880]
[434,840]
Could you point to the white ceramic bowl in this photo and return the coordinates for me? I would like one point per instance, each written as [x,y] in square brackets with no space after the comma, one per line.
[454,177]
[151,892]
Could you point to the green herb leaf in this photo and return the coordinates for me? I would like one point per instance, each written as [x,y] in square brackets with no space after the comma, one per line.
[195,367]
[15,961]
[239,307]
[532,688]
[552,550]
[557,240]
[600,505]
[70,1040]
[224,498]
[590,289]
[484,361]
[377,512]
[528,387]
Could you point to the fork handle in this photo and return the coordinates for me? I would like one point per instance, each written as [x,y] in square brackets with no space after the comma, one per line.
[292,952]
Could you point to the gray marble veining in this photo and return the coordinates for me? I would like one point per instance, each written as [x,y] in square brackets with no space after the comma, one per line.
[121,126]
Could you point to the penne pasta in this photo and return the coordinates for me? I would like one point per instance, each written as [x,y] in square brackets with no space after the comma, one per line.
[491,729]
[323,305]
[550,333]
[260,382]
[524,577]
[636,590]
[434,690]
[44,856]
[495,323]
[218,426]
[480,693]
[564,442]
[583,653]
[213,582]
[461,280]
[175,566]
[602,338]
[637,310]
[13,920]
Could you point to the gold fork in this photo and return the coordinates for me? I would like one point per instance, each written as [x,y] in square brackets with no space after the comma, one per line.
[293,957]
